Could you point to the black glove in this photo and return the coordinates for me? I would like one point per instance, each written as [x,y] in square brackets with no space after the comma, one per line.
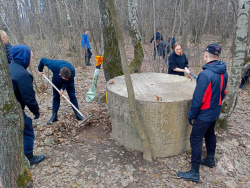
[37,115]
[190,121]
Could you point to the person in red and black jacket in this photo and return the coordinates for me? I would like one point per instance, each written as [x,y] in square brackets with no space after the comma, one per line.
[205,110]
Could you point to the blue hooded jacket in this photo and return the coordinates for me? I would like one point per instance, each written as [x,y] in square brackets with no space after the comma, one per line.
[209,92]
[55,66]
[7,48]
[22,80]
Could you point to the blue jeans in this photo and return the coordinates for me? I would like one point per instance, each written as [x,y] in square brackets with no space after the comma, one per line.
[28,135]
[70,90]
[200,130]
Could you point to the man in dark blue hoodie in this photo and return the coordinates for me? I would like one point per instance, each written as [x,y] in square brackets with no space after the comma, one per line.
[63,78]
[159,40]
[205,110]
[22,82]
[7,45]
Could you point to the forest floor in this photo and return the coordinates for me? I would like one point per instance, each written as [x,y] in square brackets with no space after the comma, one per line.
[86,156]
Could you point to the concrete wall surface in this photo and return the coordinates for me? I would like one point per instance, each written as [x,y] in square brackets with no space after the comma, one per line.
[165,121]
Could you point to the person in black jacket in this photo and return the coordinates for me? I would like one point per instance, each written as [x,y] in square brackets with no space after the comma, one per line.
[159,40]
[63,78]
[178,62]
[205,110]
[22,82]
[7,45]
[244,79]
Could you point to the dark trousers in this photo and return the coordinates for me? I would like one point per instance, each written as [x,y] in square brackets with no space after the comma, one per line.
[88,55]
[70,90]
[200,130]
[28,135]
[245,77]
[160,51]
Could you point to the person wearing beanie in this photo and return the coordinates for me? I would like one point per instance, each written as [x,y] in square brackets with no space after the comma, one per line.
[205,110]
[22,82]
[63,78]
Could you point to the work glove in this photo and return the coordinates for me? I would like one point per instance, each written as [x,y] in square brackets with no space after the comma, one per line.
[191,121]
[99,60]
[37,115]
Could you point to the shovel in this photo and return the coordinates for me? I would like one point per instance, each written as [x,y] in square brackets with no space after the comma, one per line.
[85,118]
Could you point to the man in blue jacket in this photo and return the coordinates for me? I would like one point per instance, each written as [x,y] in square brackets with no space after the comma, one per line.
[159,44]
[205,110]
[86,47]
[22,82]
[7,45]
[63,78]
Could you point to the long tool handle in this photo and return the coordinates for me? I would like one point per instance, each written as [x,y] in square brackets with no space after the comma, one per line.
[193,76]
[63,95]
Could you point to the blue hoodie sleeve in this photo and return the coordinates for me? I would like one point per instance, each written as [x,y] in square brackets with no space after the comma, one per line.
[27,92]
[172,63]
[200,89]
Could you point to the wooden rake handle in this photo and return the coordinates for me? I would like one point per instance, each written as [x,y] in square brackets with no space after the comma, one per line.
[63,95]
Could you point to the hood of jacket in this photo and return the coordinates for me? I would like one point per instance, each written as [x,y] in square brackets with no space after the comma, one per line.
[218,67]
[21,55]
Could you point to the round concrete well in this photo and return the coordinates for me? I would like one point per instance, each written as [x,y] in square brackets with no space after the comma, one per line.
[165,120]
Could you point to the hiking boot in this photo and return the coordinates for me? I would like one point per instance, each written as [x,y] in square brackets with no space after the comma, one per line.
[209,160]
[78,116]
[88,63]
[34,159]
[53,118]
[192,175]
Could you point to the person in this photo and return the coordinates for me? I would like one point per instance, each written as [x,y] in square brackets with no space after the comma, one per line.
[86,46]
[159,44]
[63,78]
[170,43]
[205,110]
[7,45]
[178,62]
[244,79]
[22,82]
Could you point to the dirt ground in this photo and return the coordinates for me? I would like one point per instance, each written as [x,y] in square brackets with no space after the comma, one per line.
[86,156]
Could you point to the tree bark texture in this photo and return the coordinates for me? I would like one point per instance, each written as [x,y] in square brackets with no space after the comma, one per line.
[111,59]
[134,33]
[147,155]
[238,62]
[186,8]
[13,172]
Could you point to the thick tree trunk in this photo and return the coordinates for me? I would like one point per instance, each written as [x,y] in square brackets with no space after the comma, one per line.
[134,33]
[111,59]
[13,172]
[147,155]
[238,62]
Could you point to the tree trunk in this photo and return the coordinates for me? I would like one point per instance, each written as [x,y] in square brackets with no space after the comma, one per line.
[111,59]
[184,35]
[147,155]
[201,31]
[238,61]
[18,23]
[134,33]
[13,172]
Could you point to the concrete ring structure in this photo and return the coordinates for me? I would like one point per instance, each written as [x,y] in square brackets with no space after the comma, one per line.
[162,101]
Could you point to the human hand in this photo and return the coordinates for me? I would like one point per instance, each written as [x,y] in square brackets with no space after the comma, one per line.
[37,115]
[187,70]
[40,73]
[61,92]
[191,121]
